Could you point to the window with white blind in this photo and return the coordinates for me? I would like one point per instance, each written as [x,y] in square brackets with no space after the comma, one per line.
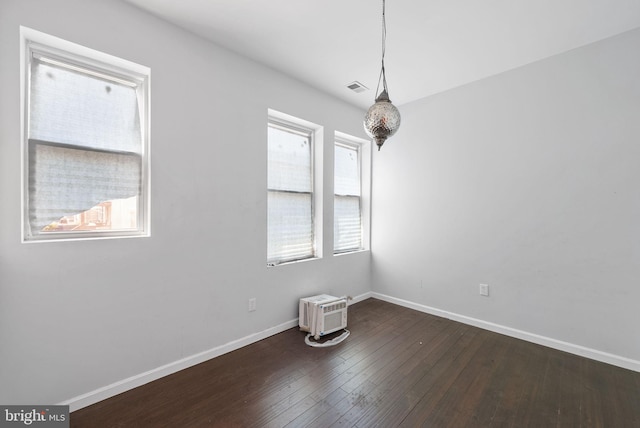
[347,205]
[352,188]
[290,187]
[85,142]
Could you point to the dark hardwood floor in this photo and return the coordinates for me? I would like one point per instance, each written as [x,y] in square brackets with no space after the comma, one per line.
[399,367]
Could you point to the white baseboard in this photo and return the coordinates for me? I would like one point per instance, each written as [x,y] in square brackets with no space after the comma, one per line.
[582,351]
[361,297]
[124,385]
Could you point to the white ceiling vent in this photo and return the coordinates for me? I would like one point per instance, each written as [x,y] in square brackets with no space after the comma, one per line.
[357,87]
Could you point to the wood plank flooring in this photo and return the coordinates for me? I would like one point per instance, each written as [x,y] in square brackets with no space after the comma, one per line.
[399,368]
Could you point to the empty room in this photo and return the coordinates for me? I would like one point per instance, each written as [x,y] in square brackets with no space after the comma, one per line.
[183,183]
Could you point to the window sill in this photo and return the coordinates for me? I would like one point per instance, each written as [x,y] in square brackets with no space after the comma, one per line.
[67,237]
[276,264]
[346,253]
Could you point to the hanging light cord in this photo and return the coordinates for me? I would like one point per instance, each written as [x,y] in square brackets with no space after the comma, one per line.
[382,76]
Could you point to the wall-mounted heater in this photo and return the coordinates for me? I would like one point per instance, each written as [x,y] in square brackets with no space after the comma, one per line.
[322,314]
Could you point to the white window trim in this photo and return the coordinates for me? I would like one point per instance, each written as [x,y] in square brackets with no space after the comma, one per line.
[317,165]
[34,42]
[364,153]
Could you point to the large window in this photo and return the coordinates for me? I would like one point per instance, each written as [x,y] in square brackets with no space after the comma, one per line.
[85,142]
[350,206]
[290,186]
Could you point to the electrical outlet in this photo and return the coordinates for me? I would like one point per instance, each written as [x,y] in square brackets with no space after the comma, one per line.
[252,304]
[484,289]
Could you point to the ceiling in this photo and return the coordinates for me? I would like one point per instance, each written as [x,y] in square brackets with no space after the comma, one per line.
[432,45]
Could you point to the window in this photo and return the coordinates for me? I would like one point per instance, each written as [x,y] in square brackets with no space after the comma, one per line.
[292,202]
[350,207]
[85,142]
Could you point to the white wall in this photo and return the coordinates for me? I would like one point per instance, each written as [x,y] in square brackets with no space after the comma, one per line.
[528,181]
[78,316]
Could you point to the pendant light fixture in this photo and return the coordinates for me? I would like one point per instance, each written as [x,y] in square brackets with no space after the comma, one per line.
[383,118]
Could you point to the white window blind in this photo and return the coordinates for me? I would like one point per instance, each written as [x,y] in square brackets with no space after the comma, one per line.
[86,122]
[75,107]
[347,226]
[84,142]
[290,194]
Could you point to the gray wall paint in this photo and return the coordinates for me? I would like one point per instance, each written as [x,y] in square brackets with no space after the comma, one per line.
[77,316]
[526,181]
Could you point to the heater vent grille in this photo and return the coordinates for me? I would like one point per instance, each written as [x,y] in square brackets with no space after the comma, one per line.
[357,87]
